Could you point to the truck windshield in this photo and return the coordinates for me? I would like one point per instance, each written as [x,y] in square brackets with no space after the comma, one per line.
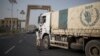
[42,19]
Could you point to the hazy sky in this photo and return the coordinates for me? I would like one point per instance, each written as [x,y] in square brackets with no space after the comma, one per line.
[5,7]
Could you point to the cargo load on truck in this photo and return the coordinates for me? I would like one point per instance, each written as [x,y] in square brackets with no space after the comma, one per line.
[78,21]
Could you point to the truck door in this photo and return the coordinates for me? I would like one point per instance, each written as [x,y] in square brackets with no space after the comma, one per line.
[44,23]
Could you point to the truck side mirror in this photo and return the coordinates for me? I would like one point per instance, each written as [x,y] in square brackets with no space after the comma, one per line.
[38,19]
[36,29]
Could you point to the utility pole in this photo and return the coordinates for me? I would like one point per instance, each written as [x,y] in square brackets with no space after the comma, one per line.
[12,3]
[17,13]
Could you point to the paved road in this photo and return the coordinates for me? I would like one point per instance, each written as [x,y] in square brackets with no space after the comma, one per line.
[24,45]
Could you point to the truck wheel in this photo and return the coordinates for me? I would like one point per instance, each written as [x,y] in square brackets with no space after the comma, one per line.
[46,42]
[92,48]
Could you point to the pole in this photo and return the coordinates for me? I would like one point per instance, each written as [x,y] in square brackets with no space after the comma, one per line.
[12,3]
[12,17]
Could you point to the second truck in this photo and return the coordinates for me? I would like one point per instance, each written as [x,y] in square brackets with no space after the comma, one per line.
[72,28]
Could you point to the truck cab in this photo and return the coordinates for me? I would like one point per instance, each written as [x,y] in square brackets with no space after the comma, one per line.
[44,24]
[44,28]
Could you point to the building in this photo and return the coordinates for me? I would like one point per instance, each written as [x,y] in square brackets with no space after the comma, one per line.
[1,22]
[2,29]
[11,24]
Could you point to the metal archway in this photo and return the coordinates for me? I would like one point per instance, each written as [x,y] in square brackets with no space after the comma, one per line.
[34,7]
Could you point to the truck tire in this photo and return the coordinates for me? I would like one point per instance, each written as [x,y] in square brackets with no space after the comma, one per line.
[39,44]
[46,42]
[92,48]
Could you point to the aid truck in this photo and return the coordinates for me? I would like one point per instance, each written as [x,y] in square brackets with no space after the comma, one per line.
[73,28]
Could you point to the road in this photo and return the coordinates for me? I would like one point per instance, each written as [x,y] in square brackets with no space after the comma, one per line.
[24,45]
